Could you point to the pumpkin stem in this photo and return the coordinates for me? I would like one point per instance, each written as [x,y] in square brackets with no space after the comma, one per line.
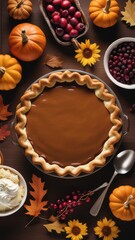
[127,203]
[24,37]
[19,4]
[2,71]
[107,6]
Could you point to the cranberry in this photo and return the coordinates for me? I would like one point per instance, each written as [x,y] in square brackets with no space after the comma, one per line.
[59,31]
[63,22]
[73,33]
[77,14]
[80,27]
[55,13]
[72,10]
[56,19]
[68,28]
[65,4]
[56,2]
[64,12]
[66,37]
[50,8]
[74,21]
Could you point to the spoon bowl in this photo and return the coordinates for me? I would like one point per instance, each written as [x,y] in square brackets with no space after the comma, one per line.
[123,163]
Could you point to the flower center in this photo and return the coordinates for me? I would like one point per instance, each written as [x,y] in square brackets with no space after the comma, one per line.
[87,53]
[76,230]
[106,230]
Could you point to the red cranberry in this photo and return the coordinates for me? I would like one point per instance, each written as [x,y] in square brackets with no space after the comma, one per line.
[66,37]
[59,31]
[63,22]
[56,2]
[64,13]
[73,33]
[72,10]
[80,27]
[55,13]
[65,4]
[50,8]
[56,19]
[69,27]
[74,21]
[77,14]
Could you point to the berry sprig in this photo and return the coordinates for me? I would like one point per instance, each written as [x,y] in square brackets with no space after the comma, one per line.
[63,207]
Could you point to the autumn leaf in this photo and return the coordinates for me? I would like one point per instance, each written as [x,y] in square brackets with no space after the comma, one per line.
[4,132]
[56,226]
[36,205]
[4,113]
[53,61]
[129,13]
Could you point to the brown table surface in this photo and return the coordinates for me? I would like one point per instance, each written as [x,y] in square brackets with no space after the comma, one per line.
[13,227]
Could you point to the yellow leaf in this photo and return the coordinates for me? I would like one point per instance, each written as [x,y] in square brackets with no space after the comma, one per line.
[53,61]
[37,204]
[129,13]
[56,226]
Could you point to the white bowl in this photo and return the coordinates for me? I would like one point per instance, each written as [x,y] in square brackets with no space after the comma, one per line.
[106,58]
[22,183]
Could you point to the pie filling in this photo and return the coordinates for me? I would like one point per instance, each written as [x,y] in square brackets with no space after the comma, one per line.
[68,125]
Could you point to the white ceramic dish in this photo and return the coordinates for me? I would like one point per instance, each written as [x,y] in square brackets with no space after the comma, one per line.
[23,183]
[106,58]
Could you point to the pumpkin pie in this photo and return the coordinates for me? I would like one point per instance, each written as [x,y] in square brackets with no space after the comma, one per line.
[68,123]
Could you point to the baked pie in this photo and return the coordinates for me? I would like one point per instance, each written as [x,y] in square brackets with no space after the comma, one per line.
[68,123]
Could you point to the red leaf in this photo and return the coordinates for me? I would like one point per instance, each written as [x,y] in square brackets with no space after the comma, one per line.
[4,132]
[4,113]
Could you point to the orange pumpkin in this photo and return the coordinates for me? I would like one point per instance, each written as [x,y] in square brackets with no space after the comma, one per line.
[19,9]
[10,72]
[27,42]
[104,13]
[122,202]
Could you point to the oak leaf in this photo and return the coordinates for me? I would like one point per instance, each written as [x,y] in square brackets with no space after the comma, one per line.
[56,226]
[4,132]
[129,13]
[4,113]
[37,205]
[53,61]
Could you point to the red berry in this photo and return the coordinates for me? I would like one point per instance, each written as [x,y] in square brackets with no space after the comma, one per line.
[74,21]
[77,14]
[63,22]
[72,10]
[59,31]
[80,27]
[56,2]
[73,33]
[68,28]
[50,8]
[56,19]
[65,4]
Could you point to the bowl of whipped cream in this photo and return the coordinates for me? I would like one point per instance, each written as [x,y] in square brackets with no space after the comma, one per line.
[13,191]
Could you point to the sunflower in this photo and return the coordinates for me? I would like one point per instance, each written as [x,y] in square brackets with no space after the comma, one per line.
[76,230]
[87,53]
[106,229]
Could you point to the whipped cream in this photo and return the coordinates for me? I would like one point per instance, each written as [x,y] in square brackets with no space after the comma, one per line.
[11,192]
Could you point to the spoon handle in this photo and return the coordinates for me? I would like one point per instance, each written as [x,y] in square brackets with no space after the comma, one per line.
[97,205]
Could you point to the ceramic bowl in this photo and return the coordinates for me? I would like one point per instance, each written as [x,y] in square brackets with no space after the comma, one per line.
[22,183]
[106,59]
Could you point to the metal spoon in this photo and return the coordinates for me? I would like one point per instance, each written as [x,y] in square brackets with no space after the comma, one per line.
[123,163]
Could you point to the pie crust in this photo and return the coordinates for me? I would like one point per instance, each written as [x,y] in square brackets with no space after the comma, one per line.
[100,92]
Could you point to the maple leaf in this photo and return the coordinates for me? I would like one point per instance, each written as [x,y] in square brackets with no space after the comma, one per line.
[129,13]
[56,226]
[4,132]
[4,113]
[53,61]
[37,204]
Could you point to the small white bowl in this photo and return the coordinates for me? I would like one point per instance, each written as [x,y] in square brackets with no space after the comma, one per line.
[106,59]
[22,183]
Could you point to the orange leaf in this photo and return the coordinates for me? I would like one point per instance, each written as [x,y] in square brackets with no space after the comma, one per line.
[4,132]
[4,113]
[37,204]
[53,61]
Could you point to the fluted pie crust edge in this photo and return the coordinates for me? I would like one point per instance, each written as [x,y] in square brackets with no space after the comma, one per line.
[100,91]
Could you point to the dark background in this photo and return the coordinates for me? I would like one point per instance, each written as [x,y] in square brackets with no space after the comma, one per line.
[13,227]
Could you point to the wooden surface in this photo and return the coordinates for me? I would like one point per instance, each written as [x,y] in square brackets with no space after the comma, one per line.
[13,227]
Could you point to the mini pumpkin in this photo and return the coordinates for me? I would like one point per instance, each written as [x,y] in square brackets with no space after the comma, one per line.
[19,9]
[10,72]
[27,42]
[122,202]
[104,13]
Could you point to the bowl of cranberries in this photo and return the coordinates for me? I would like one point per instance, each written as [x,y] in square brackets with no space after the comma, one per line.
[119,62]
[65,19]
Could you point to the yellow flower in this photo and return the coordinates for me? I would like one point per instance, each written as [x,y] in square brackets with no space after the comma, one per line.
[76,230]
[87,53]
[106,229]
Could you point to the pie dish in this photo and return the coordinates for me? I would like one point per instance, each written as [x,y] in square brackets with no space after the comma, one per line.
[68,123]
